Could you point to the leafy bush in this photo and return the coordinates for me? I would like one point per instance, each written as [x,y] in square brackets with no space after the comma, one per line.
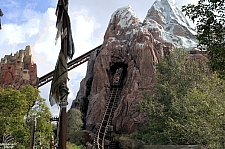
[73,146]
[186,105]
[74,125]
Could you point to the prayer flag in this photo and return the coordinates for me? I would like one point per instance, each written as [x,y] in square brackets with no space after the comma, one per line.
[59,90]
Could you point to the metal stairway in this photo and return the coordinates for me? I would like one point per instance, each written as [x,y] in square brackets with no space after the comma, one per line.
[103,138]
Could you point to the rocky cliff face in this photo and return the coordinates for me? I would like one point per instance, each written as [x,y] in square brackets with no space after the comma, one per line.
[136,46]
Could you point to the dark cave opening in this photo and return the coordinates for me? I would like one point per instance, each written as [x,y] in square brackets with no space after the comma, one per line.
[113,70]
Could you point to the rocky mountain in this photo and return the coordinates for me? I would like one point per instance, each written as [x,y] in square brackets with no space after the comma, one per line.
[136,47]
[166,18]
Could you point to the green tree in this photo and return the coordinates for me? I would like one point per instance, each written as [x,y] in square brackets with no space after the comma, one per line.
[31,95]
[44,127]
[209,16]
[74,125]
[185,106]
[204,113]
[17,110]
[12,103]
[12,111]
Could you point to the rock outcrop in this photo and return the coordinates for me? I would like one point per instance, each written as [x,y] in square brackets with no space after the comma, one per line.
[18,69]
[136,47]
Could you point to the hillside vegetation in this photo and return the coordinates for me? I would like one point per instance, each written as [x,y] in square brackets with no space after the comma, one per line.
[186,105]
[18,108]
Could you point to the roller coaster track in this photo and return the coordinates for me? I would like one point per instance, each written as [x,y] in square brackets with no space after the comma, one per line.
[101,139]
[71,65]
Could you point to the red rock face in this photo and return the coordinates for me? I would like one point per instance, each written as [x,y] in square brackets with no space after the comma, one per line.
[129,45]
[17,70]
[135,46]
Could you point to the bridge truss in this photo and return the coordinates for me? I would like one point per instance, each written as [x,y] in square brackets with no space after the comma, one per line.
[71,65]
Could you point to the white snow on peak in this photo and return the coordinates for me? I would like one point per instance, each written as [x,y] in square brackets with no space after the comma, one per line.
[126,16]
[168,1]
[165,16]
[169,12]
[164,20]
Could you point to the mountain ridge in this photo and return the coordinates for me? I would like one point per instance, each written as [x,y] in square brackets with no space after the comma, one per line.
[163,17]
[137,47]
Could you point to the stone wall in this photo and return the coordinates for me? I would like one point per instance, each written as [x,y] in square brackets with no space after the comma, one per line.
[18,69]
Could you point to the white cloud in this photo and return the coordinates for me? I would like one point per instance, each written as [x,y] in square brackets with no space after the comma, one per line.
[83,40]
[18,34]
[39,31]
[83,27]
[12,34]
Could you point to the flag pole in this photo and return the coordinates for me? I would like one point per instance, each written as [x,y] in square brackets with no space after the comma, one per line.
[63,104]
[59,90]
[33,130]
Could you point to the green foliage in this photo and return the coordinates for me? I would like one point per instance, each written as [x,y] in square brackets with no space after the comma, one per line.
[31,95]
[74,125]
[186,105]
[73,146]
[209,16]
[17,110]
[42,113]
[13,107]
[9,96]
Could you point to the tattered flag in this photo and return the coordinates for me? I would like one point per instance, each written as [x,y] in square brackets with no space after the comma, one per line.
[62,14]
[58,90]
[1,14]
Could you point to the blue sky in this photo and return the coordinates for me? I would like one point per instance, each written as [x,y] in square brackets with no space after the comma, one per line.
[32,22]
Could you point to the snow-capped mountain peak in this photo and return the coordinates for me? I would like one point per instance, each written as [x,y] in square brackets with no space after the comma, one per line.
[168,12]
[165,14]
[164,21]
[126,16]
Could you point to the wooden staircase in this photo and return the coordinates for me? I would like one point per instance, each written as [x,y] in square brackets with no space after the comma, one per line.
[103,138]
